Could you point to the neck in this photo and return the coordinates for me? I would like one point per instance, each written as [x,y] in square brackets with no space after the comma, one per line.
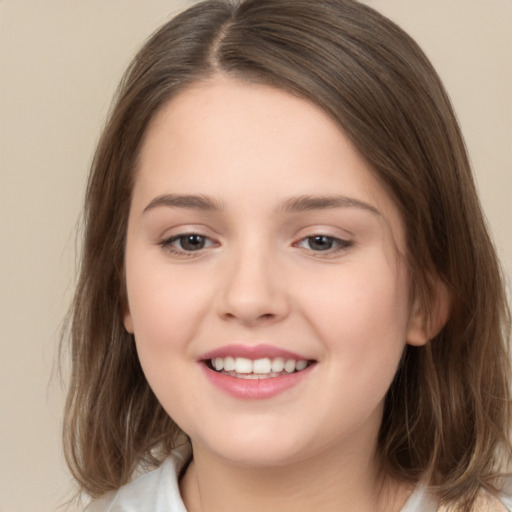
[333,481]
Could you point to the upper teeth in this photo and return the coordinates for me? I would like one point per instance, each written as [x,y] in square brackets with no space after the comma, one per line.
[264,365]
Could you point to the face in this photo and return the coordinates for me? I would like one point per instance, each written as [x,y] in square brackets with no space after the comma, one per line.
[269,302]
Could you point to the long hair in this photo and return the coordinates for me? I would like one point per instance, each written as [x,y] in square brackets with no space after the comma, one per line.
[447,413]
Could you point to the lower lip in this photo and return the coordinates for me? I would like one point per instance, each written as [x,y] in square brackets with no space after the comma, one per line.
[255,389]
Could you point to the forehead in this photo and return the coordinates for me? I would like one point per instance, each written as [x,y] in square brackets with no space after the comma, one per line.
[225,112]
[235,140]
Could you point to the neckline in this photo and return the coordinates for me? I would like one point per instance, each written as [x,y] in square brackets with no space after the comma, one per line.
[421,500]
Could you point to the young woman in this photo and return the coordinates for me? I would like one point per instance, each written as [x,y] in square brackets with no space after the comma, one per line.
[288,297]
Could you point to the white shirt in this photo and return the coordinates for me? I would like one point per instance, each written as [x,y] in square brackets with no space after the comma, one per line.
[158,491]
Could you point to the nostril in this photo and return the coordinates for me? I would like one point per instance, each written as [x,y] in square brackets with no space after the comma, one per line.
[251,318]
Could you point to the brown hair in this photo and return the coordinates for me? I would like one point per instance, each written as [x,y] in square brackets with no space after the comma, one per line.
[447,413]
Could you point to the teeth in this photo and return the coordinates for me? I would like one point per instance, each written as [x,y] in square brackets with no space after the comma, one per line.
[229,364]
[243,365]
[278,364]
[301,365]
[261,366]
[289,366]
[250,369]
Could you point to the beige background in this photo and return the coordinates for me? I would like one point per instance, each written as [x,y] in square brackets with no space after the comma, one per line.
[59,64]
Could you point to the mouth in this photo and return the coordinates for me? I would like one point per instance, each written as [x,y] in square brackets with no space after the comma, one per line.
[255,372]
[257,369]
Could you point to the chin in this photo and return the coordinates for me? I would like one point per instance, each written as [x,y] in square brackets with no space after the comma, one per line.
[264,450]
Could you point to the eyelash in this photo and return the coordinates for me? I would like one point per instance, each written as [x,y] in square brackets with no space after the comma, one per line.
[168,244]
[336,245]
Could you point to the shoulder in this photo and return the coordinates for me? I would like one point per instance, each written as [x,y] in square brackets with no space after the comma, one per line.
[423,499]
[487,502]
[156,490]
[484,504]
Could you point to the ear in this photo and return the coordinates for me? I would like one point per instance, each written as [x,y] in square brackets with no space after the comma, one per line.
[425,325]
[127,321]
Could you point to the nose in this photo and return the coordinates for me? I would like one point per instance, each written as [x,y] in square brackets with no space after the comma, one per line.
[253,290]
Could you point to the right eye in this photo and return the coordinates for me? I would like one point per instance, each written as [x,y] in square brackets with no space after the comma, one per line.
[187,243]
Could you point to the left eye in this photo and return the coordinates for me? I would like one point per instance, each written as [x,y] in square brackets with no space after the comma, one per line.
[321,243]
[189,242]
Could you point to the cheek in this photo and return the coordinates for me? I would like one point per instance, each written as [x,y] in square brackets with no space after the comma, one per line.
[163,316]
[362,316]
[163,305]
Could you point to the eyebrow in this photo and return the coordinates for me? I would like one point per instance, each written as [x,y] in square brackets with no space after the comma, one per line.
[190,201]
[292,205]
[307,203]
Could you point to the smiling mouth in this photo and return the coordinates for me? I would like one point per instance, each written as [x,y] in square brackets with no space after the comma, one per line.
[263,368]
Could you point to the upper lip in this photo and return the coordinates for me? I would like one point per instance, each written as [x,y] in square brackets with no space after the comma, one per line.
[252,352]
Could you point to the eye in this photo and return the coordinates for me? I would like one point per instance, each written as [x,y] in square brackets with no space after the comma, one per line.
[324,243]
[320,242]
[187,242]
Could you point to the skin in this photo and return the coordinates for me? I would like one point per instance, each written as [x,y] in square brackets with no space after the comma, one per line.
[259,279]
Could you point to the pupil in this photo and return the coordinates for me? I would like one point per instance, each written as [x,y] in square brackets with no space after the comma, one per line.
[192,242]
[320,243]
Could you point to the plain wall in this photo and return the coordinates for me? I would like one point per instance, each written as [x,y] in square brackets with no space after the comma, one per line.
[60,62]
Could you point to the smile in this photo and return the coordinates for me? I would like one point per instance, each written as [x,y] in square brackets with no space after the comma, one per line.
[255,372]
[263,368]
